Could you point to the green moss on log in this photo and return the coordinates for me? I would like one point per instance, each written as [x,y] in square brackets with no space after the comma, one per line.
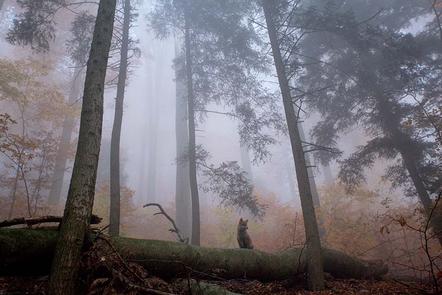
[27,251]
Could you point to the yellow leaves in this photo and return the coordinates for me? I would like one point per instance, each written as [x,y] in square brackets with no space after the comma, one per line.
[26,81]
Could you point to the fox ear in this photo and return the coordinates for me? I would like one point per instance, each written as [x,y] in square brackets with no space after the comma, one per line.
[240,220]
[246,221]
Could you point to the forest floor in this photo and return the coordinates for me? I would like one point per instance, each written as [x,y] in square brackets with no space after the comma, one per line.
[38,285]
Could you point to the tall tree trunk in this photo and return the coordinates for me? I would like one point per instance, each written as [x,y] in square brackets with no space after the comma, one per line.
[410,159]
[1,4]
[152,156]
[182,191]
[114,214]
[328,175]
[313,187]
[195,240]
[152,152]
[411,165]
[246,164]
[65,140]
[80,198]
[311,175]
[314,256]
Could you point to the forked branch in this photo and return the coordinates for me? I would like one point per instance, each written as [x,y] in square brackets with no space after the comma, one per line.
[172,230]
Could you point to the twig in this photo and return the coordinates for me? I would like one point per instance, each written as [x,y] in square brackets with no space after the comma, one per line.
[175,228]
[411,286]
[131,285]
[120,258]
[188,269]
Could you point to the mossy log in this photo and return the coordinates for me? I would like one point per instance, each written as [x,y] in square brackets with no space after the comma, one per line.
[30,251]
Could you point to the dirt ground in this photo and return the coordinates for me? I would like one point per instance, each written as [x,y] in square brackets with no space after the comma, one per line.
[38,285]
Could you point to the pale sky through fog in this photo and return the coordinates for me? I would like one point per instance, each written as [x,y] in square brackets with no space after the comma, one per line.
[151,93]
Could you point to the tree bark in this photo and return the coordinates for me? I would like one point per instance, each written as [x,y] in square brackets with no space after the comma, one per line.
[182,189]
[313,252]
[82,187]
[114,214]
[29,252]
[312,182]
[63,147]
[195,239]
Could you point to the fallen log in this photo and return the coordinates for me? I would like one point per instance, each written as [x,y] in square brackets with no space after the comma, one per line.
[39,220]
[27,251]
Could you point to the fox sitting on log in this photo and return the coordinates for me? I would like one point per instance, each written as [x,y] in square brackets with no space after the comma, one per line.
[243,237]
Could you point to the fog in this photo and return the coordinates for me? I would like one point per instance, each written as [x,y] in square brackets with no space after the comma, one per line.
[225,106]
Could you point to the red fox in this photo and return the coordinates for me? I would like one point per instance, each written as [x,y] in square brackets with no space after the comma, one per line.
[243,237]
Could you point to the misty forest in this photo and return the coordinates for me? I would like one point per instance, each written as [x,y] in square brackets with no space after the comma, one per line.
[220,147]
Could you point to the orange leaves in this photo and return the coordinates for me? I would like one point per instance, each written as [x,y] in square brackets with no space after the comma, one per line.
[28,131]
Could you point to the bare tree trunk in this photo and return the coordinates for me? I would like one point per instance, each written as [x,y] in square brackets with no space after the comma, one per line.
[313,253]
[328,175]
[311,175]
[114,214]
[182,191]
[152,156]
[195,240]
[246,164]
[313,187]
[80,198]
[63,148]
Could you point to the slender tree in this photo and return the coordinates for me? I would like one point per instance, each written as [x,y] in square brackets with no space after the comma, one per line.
[80,198]
[314,256]
[182,190]
[246,164]
[195,238]
[152,129]
[65,141]
[114,214]
[78,47]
